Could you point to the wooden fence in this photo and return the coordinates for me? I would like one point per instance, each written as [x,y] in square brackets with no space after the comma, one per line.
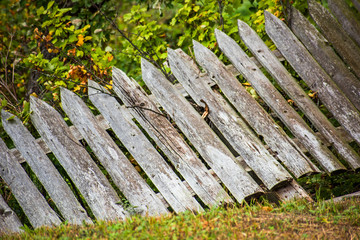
[241,152]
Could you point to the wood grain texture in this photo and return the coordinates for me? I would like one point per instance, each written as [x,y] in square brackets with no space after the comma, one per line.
[323,53]
[347,18]
[88,178]
[45,171]
[296,93]
[293,191]
[159,172]
[169,140]
[335,34]
[122,172]
[232,127]
[9,222]
[275,100]
[219,158]
[287,152]
[317,79]
[27,195]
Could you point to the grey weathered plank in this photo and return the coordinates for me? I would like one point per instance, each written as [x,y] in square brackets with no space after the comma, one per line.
[293,191]
[169,140]
[230,68]
[295,92]
[9,222]
[233,128]
[346,18]
[88,178]
[219,158]
[43,168]
[159,172]
[124,175]
[356,4]
[254,114]
[334,33]
[325,56]
[275,100]
[27,195]
[317,79]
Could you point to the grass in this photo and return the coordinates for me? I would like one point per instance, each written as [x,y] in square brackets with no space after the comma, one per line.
[292,220]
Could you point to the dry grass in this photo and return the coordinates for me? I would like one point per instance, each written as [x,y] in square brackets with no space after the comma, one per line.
[295,220]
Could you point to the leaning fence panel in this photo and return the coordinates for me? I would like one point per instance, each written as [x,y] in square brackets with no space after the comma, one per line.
[317,79]
[297,94]
[45,171]
[233,128]
[28,196]
[200,135]
[158,171]
[169,140]
[276,101]
[336,35]
[323,53]
[88,178]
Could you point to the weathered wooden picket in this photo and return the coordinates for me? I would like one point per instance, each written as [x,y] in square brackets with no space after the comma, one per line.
[244,153]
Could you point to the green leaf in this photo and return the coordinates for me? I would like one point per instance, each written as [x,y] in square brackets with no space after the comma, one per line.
[72,38]
[40,11]
[10,118]
[26,107]
[50,4]
[3,103]
[79,53]
[60,83]
[127,17]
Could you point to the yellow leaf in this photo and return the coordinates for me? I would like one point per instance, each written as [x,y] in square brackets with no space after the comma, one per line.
[312,95]
[266,208]
[87,38]
[34,94]
[80,40]
[110,58]
[77,88]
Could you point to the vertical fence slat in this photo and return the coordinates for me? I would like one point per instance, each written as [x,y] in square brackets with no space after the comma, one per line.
[254,114]
[9,222]
[275,100]
[27,195]
[317,79]
[296,93]
[219,158]
[41,165]
[325,56]
[88,178]
[169,185]
[334,33]
[346,17]
[124,175]
[169,140]
[233,128]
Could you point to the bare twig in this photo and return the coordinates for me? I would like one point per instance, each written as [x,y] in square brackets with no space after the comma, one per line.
[147,109]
